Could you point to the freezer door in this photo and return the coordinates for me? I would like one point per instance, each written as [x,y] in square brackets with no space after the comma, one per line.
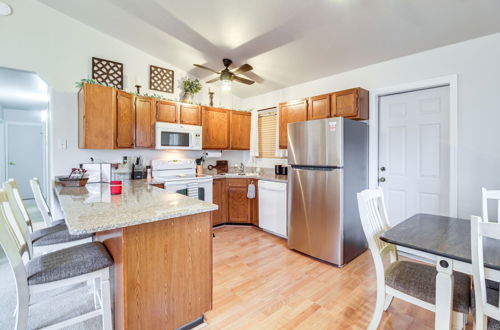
[315,226]
[316,142]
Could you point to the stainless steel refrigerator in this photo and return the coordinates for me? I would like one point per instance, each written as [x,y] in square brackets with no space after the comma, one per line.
[329,165]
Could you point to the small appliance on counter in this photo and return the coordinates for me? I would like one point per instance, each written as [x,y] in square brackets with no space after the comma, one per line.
[221,166]
[280,169]
[138,170]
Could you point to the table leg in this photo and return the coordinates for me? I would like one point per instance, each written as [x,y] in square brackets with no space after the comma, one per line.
[444,294]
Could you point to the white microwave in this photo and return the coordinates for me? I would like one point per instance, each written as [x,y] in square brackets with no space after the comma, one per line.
[178,136]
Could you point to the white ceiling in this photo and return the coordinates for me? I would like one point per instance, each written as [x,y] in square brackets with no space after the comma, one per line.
[286,41]
[22,90]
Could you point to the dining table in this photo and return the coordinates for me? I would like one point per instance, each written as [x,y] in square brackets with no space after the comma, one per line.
[446,242]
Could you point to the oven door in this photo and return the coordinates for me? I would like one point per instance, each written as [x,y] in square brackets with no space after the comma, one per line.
[172,139]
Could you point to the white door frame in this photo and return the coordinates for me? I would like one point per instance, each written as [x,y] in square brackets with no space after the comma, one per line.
[452,82]
[43,125]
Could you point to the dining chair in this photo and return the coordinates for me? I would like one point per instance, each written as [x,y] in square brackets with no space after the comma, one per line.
[62,268]
[42,205]
[490,195]
[410,281]
[487,311]
[43,240]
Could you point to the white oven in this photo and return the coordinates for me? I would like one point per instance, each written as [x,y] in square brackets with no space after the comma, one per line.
[178,136]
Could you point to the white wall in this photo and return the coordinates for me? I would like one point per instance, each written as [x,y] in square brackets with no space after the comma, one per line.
[477,63]
[59,48]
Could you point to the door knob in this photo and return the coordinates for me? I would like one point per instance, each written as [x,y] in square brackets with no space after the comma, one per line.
[382,168]
[12,163]
[382,179]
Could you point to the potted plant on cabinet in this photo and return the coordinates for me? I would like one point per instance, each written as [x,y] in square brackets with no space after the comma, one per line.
[190,87]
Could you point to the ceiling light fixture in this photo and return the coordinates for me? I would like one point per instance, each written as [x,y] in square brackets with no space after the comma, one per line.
[226,85]
[225,78]
[5,9]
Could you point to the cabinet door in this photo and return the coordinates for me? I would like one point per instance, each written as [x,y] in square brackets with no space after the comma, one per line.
[319,107]
[239,130]
[350,103]
[96,117]
[190,114]
[215,124]
[125,121]
[145,115]
[238,203]
[290,112]
[219,198]
[167,111]
[255,204]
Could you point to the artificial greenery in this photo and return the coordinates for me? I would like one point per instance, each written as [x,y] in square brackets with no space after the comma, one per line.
[191,86]
[79,84]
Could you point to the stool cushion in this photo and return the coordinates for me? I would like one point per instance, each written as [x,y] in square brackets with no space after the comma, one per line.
[55,234]
[419,280]
[67,263]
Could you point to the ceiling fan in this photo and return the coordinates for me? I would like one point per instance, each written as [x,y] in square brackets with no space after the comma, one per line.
[226,76]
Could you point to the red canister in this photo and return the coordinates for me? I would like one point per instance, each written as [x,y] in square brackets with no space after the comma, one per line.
[115,187]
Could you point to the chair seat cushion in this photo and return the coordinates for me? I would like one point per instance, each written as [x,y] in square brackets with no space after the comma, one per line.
[419,280]
[55,234]
[491,298]
[67,263]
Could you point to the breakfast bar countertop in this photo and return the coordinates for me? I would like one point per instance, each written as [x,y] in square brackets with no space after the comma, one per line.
[93,209]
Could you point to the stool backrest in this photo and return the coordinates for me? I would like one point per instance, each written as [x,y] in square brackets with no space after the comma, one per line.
[40,201]
[14,247]
[479,230]
[12,190]
[486,195]
[375,222]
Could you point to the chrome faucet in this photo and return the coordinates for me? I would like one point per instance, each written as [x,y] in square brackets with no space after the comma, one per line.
[242,168]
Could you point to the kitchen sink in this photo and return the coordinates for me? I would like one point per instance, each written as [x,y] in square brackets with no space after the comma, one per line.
[237,175]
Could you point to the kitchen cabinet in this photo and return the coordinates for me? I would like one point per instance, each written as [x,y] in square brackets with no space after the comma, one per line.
[350,103]
[239,130]
[215,124]
[96,117]
[219,197]
[290,112]
[254,203]
[167,111]
[145,119]
[319,107]
[189,114]
[239,206]
[125,123]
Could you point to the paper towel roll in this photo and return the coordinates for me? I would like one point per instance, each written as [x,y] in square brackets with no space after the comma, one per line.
[214,154]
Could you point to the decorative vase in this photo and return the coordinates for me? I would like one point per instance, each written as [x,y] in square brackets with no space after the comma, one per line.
[187,97]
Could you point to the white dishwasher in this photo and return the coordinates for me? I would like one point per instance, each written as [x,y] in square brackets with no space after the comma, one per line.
[273,207]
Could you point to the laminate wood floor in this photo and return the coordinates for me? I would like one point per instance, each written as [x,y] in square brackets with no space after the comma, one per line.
[260,284]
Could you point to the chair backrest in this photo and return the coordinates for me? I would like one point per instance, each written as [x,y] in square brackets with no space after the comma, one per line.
[14,247]
[375,222]
[40,201]
[479,230]
[12,190]
[486,195]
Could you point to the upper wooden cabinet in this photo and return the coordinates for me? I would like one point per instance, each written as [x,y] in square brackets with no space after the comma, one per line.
[125,122]
[215,124]
[145,119]
[96,117]
[290,112]
[167,111]
[239,130]
[319,107]
[190,114]
[350,103]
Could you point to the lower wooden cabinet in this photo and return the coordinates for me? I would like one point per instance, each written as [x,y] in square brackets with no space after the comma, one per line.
[234,206]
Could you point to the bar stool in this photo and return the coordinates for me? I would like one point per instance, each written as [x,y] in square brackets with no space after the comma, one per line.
[42,205]
[77,264]
[43,240]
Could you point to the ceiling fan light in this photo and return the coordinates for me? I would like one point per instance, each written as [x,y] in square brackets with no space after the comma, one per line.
[226,84]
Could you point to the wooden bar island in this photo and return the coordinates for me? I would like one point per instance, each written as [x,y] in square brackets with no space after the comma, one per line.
[161,243]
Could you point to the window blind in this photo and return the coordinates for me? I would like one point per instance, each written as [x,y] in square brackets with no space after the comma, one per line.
[267,134]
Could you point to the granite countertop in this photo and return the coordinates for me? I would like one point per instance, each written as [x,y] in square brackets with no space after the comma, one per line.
[251,173]
[92,208]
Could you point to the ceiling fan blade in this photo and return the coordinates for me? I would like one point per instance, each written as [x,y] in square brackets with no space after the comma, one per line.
[212,80]
[205,68]
[243,80]
[243,68]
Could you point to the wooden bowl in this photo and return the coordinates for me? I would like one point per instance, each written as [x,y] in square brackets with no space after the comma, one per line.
[66,182]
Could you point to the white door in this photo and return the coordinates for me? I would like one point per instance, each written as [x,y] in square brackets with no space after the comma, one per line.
[414,153]
[24,148]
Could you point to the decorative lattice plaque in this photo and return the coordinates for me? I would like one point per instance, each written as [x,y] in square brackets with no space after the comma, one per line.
[161,79]
[107,72]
